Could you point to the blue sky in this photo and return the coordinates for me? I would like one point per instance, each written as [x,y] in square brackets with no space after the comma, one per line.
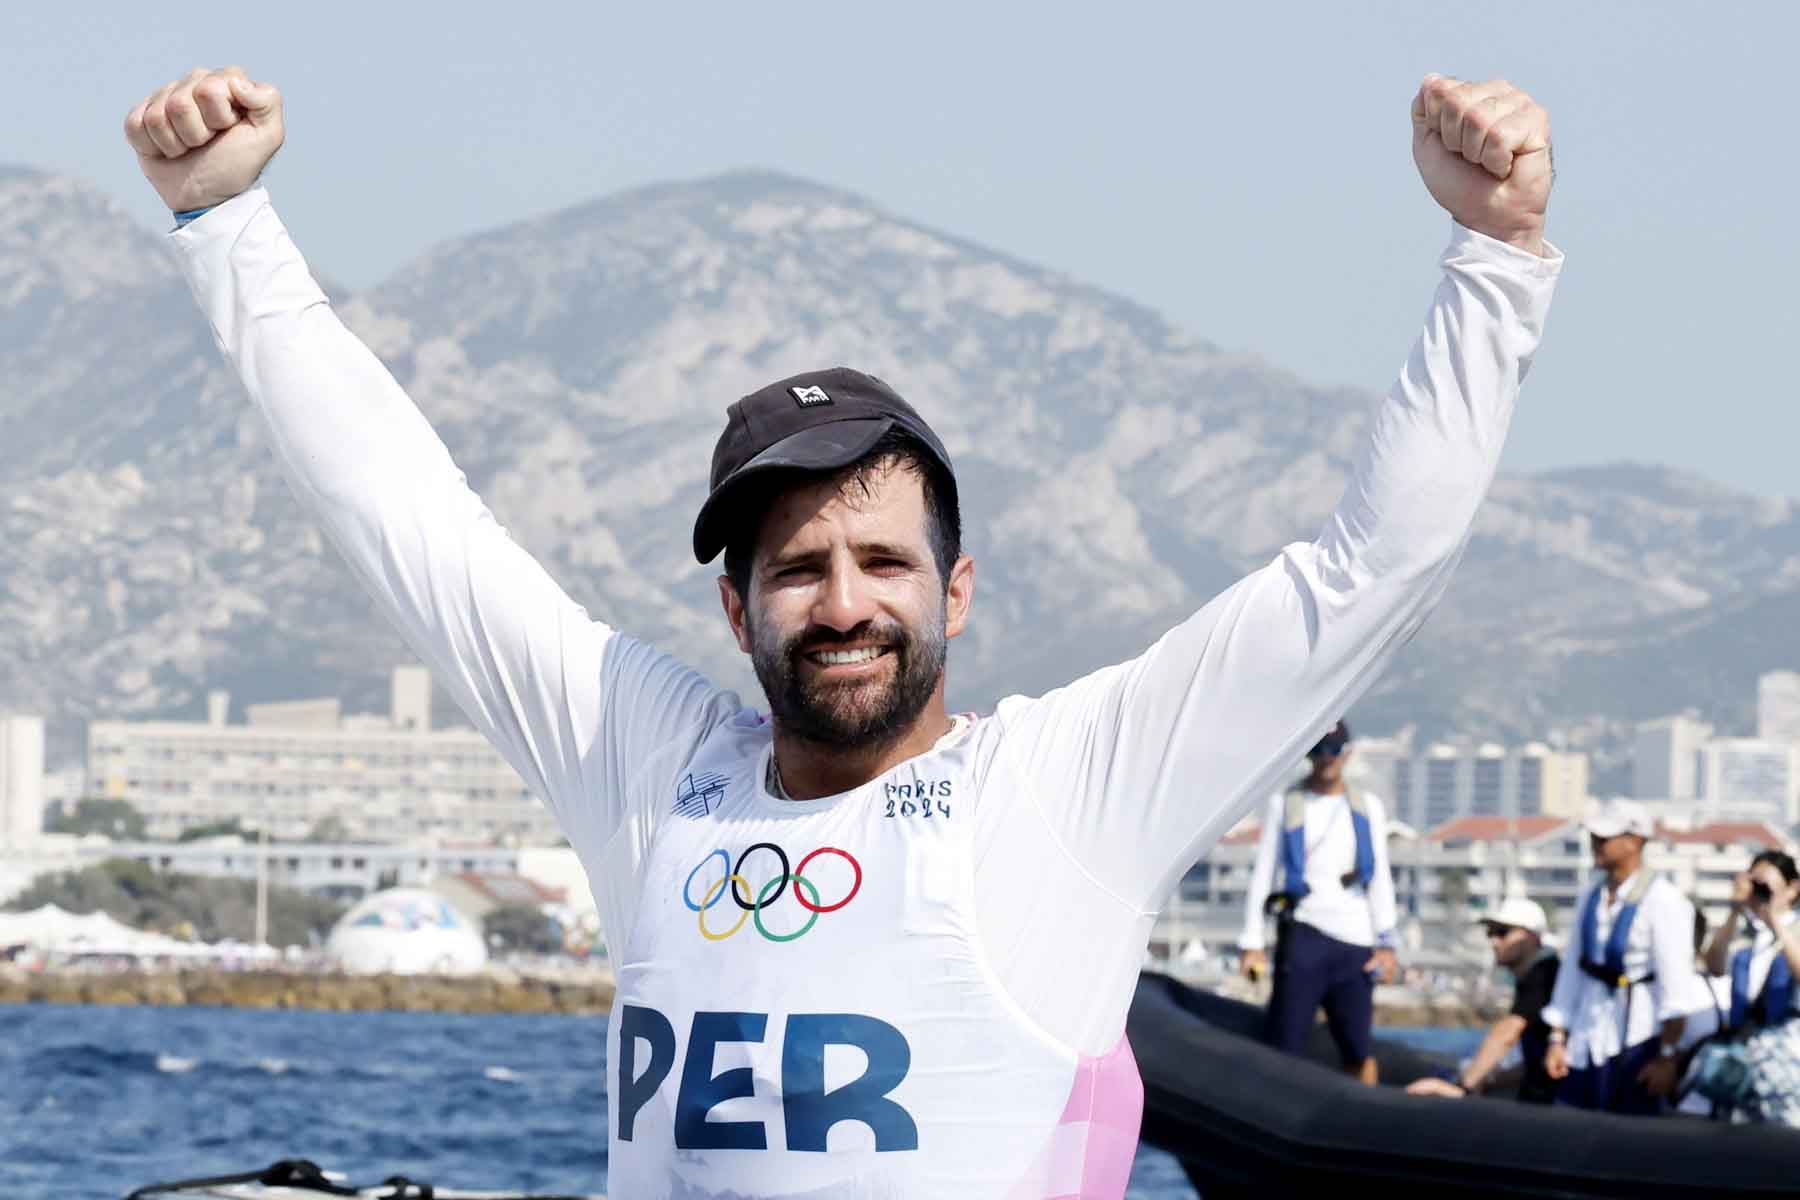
[1244,169]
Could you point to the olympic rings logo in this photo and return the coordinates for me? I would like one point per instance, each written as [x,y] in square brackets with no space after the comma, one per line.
[734,884]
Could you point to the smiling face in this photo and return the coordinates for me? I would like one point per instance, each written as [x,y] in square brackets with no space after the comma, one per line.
[847,617]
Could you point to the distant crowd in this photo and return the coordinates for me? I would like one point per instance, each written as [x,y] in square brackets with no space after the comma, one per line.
[1643,1011]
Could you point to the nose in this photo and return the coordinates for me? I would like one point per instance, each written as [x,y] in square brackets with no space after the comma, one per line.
[846,600]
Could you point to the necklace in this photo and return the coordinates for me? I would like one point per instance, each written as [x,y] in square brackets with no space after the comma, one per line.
[772,780]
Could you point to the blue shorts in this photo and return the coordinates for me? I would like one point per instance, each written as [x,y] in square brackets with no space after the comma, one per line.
[1313,969]
[1613,1086]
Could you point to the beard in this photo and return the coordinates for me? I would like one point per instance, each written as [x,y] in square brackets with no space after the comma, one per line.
[862,714]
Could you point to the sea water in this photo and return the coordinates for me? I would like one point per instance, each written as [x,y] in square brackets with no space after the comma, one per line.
[97,1101]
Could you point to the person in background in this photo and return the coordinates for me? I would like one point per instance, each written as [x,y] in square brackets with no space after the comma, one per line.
[1762,972]
[1335,910]
[1517,933]
[1749,1069]
[1621,1003]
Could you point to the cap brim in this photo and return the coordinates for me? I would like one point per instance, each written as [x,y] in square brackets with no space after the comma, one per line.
[819,448]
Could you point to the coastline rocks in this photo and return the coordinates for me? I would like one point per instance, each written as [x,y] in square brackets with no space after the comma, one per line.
[505,991]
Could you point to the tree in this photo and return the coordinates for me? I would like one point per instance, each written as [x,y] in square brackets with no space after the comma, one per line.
[522,928]
[329,829]
[228,828]
[215,908]
[115,819]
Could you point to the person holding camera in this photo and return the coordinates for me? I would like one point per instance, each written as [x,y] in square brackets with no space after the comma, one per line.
[1335,914]
[1750,1070]
[1762,973]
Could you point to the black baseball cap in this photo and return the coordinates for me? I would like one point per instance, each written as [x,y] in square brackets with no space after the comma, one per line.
[1333,743]
[815,421]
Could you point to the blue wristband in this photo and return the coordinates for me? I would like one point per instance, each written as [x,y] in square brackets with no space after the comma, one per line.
[192,214]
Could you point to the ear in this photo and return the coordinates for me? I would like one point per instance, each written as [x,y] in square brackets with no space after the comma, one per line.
[735,612]
[959,595]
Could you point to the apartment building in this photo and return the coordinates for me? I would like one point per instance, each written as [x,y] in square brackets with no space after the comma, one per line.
[297,767]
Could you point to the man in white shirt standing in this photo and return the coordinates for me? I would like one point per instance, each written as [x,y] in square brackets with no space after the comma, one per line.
[1335,909]
[867,948]
[1628,980]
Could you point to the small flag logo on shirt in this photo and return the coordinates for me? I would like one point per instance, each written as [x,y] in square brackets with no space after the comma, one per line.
[698,795]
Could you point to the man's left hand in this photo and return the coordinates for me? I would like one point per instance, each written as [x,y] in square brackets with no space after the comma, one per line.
[1483,150]
[1659,1077]
[1385,964]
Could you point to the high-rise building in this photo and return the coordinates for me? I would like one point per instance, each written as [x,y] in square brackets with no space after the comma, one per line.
[1750,779]
[1546,782]
[21,780]
[1778,707]
[410,699]
[1665,758]
[1452,780]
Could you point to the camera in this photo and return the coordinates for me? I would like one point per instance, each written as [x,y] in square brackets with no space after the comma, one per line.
[1760,894]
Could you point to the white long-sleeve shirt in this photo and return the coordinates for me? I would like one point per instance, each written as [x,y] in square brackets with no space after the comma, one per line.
[983,906]
[1349,914]
[1661,941]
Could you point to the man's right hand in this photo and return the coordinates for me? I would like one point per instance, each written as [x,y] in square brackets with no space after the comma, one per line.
[1254,965]
[1556,1061]
[205,138]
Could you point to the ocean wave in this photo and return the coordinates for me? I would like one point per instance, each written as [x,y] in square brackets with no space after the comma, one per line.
[88,1060]
[170,1064]
[502,1074]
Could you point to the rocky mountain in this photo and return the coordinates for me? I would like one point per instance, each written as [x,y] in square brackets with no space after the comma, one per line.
[1115,469]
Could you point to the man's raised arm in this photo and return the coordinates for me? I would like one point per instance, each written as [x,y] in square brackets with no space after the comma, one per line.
[1160,755]
[523,660]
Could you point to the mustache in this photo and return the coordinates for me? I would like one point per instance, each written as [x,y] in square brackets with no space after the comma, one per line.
[823,637]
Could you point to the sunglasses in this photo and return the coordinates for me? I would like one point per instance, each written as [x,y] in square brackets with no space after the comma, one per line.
[1497,933]
[1327,748]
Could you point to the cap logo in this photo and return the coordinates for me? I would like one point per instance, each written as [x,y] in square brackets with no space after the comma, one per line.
[810,397]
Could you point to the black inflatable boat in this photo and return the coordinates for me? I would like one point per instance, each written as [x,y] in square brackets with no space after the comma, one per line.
[1245,1121]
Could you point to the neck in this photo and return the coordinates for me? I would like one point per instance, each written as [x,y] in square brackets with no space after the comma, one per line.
[812,769]
[1322,786]
[1525,962]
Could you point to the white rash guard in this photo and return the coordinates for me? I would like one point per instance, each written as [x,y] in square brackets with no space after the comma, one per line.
[917,988]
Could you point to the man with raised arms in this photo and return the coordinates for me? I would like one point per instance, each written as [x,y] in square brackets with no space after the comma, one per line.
[866,947]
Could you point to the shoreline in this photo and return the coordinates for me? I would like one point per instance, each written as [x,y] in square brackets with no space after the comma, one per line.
[500,990]
[588,993]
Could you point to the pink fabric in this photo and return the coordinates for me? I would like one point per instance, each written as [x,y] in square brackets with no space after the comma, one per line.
[1089,1153]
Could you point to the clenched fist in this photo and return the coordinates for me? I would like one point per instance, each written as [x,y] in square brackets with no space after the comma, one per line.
[203,139]
[1483,150]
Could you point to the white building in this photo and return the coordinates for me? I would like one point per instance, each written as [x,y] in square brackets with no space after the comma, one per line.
[1665,758]
[1451,780]
[339,870]
[21,780]
[1778,707]
[296,764]
[1750,779]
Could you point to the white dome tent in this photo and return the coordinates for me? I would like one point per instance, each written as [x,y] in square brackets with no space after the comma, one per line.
[406,931]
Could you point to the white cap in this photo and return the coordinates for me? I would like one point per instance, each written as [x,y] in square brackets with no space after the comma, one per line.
[1610,818]
[1521,913]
